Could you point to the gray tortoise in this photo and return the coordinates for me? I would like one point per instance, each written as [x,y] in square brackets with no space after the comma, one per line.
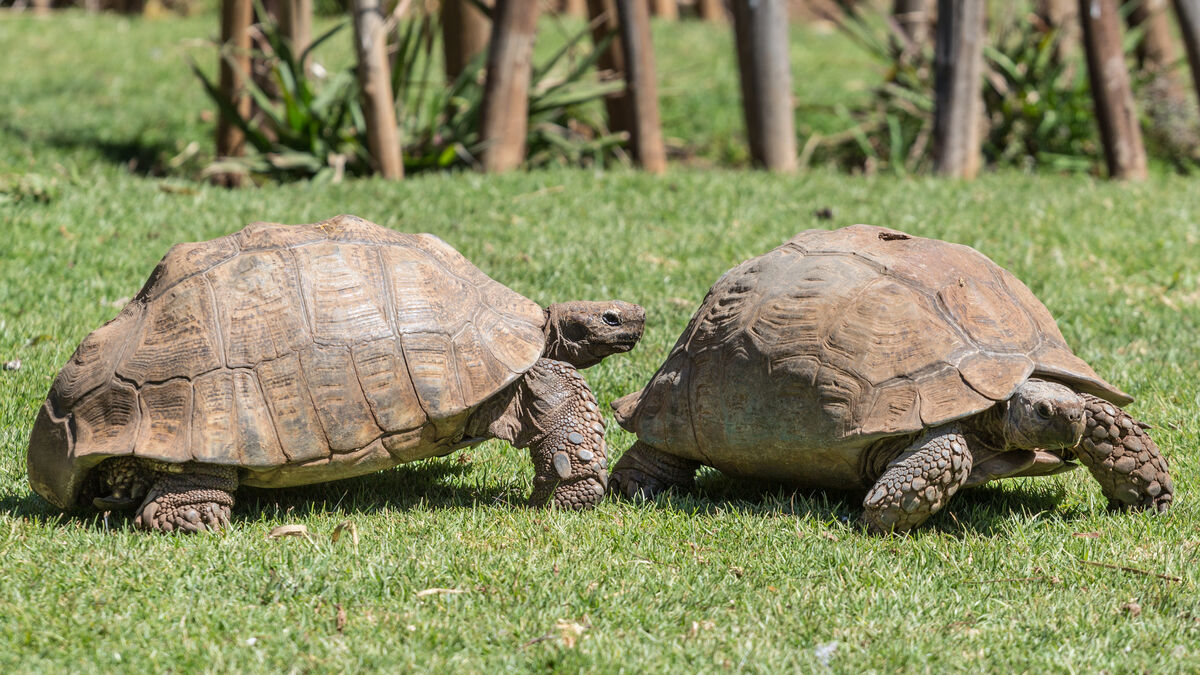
[286,355]
[865,359]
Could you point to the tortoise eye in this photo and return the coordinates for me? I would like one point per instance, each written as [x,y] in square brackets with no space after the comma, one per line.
[611,318]
[1044,409]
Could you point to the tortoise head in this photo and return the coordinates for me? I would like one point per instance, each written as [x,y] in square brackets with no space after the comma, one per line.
[582,333]
[1043,414]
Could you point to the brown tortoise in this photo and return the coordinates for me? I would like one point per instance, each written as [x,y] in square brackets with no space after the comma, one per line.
[868,359]
[285,355]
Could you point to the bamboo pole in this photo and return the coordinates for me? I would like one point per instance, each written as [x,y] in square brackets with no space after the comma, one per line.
[958,101]
[761,31]
[1115,110]
[664,9]
[374,79]
[465,32]
[236,17]
[505,115]
[1188,13]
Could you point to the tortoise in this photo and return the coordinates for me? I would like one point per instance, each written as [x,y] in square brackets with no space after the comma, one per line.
[868,360]
[285,355]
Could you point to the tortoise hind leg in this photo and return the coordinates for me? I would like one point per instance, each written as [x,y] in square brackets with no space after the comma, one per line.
[918,482]
[194,500]
[644,472]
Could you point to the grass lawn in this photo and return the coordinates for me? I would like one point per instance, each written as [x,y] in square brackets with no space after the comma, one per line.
[733,576]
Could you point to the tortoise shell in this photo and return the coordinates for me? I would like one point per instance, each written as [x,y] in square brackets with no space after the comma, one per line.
[301,353]
[836,339]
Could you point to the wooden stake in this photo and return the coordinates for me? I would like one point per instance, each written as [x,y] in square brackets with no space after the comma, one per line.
[296,25]
[1188,13]
[573,7]
[958,101]
[374,78]
[913,19]
[761,30]
[236,16]
[630,55]
[505,115]
[1060,15]
[465,32]
[1115,110]
[603,17]
[664,9]
[711,10]
[1156,51]
[641,86]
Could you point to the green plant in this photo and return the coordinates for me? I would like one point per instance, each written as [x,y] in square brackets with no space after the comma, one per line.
[316,130]
[1038,109]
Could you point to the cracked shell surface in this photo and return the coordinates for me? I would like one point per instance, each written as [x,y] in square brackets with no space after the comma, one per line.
[798,359]
[300,353]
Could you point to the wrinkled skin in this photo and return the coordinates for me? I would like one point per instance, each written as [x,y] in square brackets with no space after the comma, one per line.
[582,333]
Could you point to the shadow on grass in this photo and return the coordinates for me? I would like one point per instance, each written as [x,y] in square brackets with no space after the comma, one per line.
[138,155]
[986,511]
[433,483]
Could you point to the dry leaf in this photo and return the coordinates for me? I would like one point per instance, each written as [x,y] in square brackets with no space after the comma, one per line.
[1087,535]
[1132,608]
[341,618]
[438,591]
[289,531]
[830,536]
[737,571]
[349,526]
[697,626]
[570,632]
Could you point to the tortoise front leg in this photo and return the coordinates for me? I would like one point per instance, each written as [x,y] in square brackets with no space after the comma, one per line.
[918,482]
[552,412]
[1123,459]
[194,500]
[644,471]
[570,458]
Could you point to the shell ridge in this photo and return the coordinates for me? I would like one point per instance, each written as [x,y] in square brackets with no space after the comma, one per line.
[366,397]
[305,311]
[385,276]
[237,251]
[302,377]
[216,318]
[408,371]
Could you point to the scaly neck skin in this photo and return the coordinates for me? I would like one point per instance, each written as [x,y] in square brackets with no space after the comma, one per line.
[983,432]
[560,348]
[583,333]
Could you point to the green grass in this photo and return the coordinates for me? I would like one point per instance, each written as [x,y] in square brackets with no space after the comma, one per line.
[733,576]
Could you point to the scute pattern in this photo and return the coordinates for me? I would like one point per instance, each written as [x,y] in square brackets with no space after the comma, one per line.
[837,338]
[178,329]
[281,348]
